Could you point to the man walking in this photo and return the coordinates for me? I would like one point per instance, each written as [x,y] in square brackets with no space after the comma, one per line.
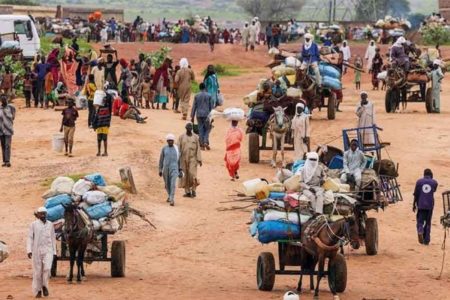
[366,118]
[41,247]
[7,115]
[424,204]
[70,115]
[169,167]
[201,108]
[190,158]
[302,131]
[183,79]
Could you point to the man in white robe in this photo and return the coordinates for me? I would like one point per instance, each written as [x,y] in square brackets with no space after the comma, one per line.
[313,177]
[366,118]
[41,247]
[302,131]
[370,54]
[354,164]
[346,55]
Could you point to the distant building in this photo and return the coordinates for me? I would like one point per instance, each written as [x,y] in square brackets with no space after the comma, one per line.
[444,8]
[65,11]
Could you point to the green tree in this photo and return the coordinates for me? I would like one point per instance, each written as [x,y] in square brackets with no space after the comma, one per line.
[434,35]
[272,10]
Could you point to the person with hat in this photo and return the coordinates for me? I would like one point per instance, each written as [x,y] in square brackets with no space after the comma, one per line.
[41,247]
[436,79]
[70,115]
[7,116]
[302,131]
[190,158]
[366,118]
[169,167]
[354,164]
[310,57]
[424,204]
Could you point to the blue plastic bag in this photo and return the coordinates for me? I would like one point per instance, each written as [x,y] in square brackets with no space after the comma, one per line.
[63,199]
[276,195]
[55,213]
[332,83]
[298,164]
[272,231]
[329,70]
[99,211]
[96,178]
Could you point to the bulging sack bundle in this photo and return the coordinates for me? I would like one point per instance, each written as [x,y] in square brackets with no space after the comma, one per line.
[292,62]
[115,193]
[332,83]
[294,92]
[62,185]
[99,210]
[94,197]
[282,70]
[96,178]
[82,186]
[63,199]
[234,114]
[99,95]
[55,213]
[329,70]
[271,231]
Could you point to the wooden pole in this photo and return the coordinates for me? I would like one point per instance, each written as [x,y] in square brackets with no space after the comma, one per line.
[127,179]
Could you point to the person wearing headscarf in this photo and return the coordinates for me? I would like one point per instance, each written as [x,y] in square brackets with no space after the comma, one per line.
[212,84]
[41,247]
[398,54]
[354,164]
[233,140]
[370,54]
[436,79]
[313,176]
[246,36]
[183,81]
[311,56]
[161,83]
[366,118]
[346,55]
[190,158]
[302,131]
[169,167]
[377,65]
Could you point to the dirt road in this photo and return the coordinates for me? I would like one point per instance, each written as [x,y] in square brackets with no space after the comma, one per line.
[198,250]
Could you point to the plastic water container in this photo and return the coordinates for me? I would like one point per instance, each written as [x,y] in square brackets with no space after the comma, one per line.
[253,185]
[99,96]
[58,142]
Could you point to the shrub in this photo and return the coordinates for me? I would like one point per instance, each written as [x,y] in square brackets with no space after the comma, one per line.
[433,35]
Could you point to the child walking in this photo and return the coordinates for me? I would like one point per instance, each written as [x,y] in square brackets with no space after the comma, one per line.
[101,124]
[90,92]
[359,66]
[146,93]
[70,115]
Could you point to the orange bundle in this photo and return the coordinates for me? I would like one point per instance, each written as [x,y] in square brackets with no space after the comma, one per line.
[97,15]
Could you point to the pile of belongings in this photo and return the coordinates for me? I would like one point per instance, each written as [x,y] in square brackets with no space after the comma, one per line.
[283,206]
[101,206]
[4,253]
[392,23]
[229,114]
[331,76]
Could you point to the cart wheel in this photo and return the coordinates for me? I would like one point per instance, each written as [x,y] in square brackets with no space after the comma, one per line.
[389,101]
[429,101]
[337,273]
[265,271]
[118,259]
[331,113]
[54,268]
[253,147]
[371,239]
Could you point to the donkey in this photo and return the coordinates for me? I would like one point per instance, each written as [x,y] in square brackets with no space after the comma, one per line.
[320,240]
[78,235]
[279,124]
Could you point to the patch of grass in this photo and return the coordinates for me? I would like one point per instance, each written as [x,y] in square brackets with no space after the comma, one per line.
[226,70]
[47,45]
[75,177]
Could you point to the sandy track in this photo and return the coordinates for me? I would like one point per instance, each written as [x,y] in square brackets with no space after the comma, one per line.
[198,252]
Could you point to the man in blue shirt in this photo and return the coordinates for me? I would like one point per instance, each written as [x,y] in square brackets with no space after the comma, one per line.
[201,108]
[41,70]
[424,204]
[311,56]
